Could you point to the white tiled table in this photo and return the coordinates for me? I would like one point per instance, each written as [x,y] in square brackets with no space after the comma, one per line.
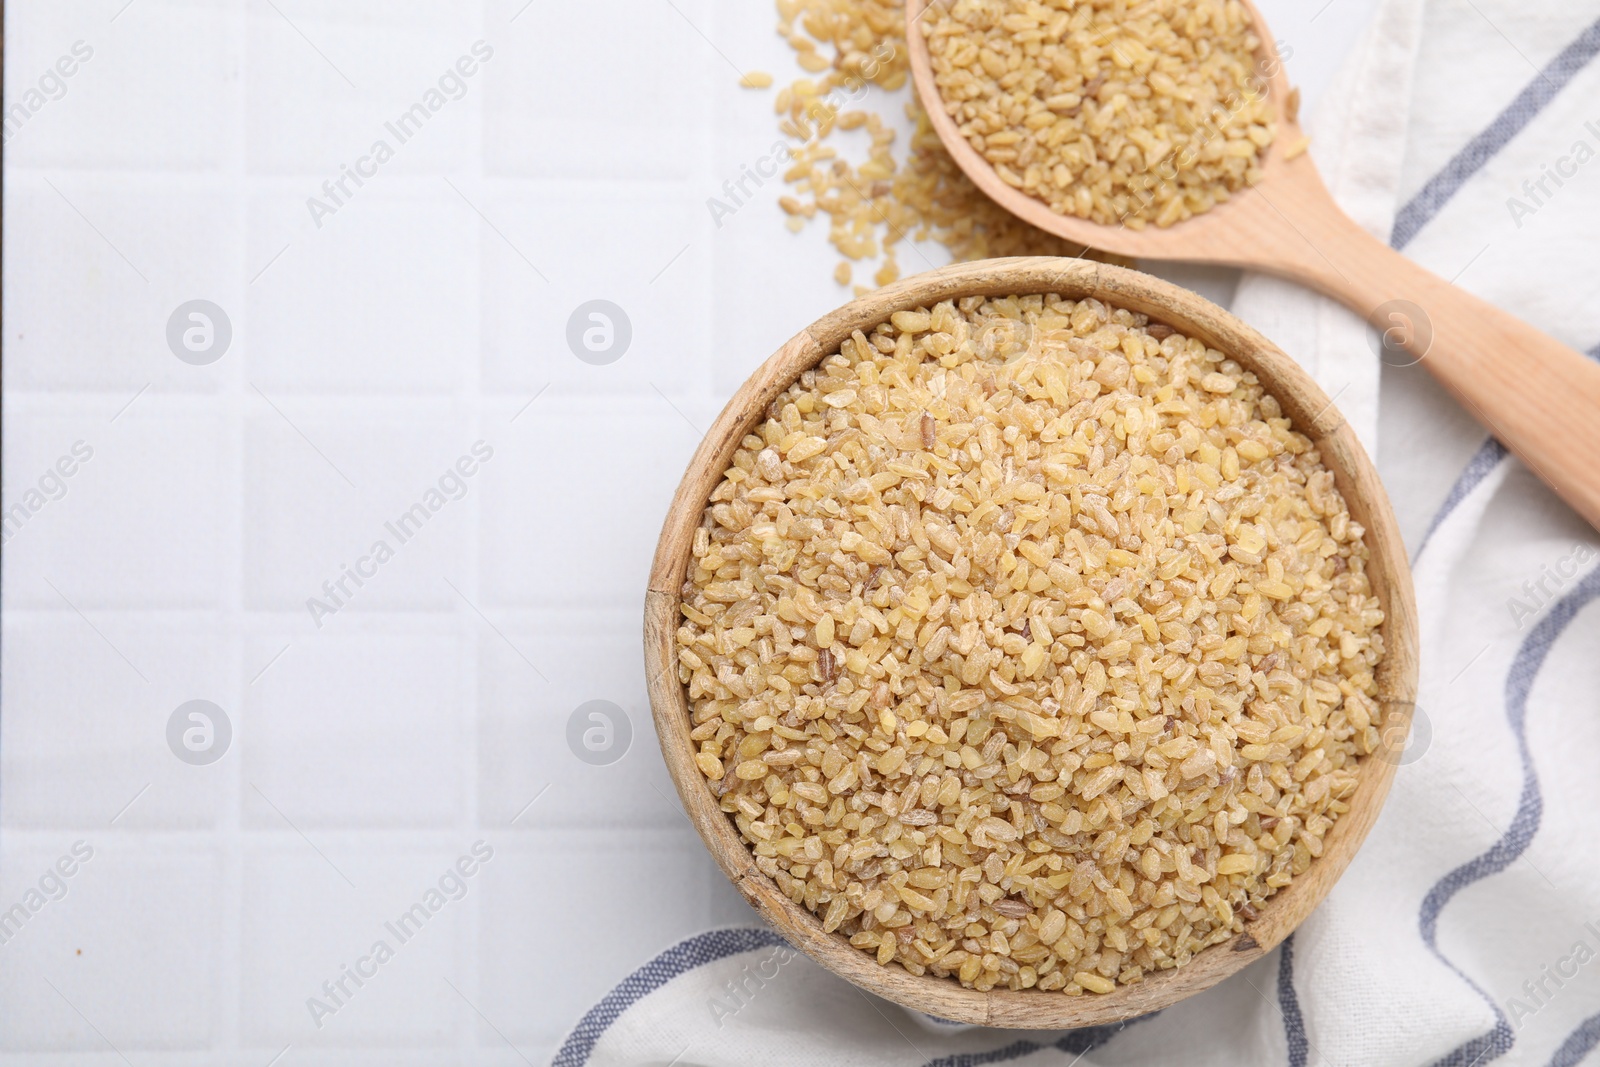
[368,354]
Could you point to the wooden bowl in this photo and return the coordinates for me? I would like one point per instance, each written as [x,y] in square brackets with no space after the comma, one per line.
[1312,414]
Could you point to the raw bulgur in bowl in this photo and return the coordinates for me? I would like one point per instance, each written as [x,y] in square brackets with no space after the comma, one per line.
[1026,639]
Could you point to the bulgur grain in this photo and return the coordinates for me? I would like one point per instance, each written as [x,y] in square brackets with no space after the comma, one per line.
[1056,700]
[1149,113]
[873,205]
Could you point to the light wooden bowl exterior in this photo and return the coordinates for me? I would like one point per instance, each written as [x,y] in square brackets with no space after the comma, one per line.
[1312,414]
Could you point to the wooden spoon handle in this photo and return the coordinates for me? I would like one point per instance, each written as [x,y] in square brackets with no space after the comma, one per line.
[1539,397]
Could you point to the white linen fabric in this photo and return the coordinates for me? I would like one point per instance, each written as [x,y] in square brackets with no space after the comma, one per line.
[1468,929]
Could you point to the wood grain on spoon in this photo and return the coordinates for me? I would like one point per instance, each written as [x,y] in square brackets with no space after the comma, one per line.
[1537,395]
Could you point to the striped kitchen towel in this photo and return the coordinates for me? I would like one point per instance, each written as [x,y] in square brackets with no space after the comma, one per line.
[1468,929]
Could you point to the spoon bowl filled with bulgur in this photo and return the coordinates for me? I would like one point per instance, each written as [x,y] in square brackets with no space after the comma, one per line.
[1028,642]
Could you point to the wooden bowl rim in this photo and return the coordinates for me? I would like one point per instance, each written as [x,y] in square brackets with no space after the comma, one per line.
[1312,413]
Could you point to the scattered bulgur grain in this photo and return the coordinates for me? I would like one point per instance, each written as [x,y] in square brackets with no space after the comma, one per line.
[1056,700]
[1148,113]
[756,79]
[874,204]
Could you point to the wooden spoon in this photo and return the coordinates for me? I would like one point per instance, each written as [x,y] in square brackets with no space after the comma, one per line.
[1539,397]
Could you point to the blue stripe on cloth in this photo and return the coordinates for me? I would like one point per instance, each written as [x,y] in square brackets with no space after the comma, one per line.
[1483,461]
[1578,1044]
[1073,1042]
[1294,1023]
[1409,221]
[1530,809]
[719,944]
[1535,95]
[1444,185]
[686,955]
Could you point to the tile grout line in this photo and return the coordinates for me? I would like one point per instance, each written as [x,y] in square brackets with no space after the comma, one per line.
[236,848]
[469,933]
